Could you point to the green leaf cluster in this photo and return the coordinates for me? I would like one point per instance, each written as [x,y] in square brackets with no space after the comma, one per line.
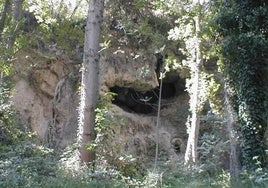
[243,49]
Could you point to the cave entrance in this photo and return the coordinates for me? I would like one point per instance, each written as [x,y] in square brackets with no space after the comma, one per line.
[132,100]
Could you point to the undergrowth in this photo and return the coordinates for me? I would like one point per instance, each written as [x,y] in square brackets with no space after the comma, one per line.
[26,162]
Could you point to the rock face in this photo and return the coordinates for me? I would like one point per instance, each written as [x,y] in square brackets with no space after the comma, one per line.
[46,98]
[124,68]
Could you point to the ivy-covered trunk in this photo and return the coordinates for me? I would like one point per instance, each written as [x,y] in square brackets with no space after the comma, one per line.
[191,148]
[244,50]
[249,104]
[234,163]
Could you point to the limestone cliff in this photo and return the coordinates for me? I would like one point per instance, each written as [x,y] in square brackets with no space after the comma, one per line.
[46,98]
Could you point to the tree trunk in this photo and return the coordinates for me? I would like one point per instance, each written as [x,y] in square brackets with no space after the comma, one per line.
[6,8]
[90,80]
[17,15]
[17,12]
[234,159]
[158,120]
[191,149]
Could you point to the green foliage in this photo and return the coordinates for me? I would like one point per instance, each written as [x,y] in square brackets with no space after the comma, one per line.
[213,152]
[25,165]
[190,178]
[107,123]
[257,178]
[48,11]
[104,119]
[243,49]
[64,37]
[8,132]
[147,34]
[30,165]
[24,162]
[7,50]
[185,34]
[137,25]
[59,27]
[68,34]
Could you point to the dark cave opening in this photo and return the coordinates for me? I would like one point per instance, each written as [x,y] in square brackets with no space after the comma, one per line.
[177,143]
[177,148]
[135,101]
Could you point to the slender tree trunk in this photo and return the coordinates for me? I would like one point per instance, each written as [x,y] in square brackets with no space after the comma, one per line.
[6,10]
[158,120]
[4,15]
[234,159]
[17,12]
[191,149]
[17,16]
[90,80]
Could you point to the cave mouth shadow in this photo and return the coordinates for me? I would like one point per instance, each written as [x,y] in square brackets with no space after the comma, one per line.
[139,102]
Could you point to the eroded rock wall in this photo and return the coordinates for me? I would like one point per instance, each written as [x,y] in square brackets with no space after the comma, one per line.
[46,98]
